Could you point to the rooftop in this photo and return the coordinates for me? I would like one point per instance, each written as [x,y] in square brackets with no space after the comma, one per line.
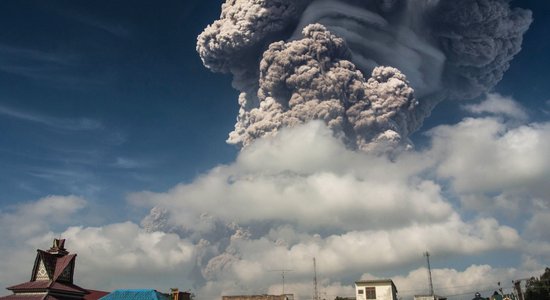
[141,294]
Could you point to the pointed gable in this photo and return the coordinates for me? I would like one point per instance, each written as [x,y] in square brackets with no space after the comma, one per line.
[52,277]
[41,273]
[45,264]
[54,264]
[64,268]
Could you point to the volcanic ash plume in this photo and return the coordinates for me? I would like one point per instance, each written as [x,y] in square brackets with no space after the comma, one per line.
[479,39]
[295,61]
[236,41]
[313,79]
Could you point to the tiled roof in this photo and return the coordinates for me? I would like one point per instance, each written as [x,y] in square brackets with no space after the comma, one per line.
[43,285]
[67,287]
[54,264]
[31,285]
[94,295]
[22,297]
[136,295]
[61,264]
[54,283]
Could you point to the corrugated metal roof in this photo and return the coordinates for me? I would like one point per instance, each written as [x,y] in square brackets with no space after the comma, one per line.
[141,294]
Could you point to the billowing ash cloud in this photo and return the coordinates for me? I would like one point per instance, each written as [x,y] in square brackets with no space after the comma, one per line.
[479,39]
[236,41]
[445,48]
[312,79]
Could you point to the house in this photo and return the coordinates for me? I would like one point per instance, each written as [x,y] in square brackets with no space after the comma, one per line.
[52,278]
[381,289]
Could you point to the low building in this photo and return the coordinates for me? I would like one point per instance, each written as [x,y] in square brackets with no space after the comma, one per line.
[52,278]
[260,297]
[381,289]
[177,295]
[429,297]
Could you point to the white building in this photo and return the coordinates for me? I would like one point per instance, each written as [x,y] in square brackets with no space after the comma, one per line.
[382,289]
[429,297]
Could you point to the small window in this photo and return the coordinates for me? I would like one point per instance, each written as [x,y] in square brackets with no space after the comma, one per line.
[360,292]
[371,292]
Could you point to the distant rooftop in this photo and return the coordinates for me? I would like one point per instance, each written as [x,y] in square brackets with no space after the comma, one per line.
[374,281]
[138,294]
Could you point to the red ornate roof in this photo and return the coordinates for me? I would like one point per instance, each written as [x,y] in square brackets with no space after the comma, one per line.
[54,264]
[39,297]
[52,278]
[94,295]
[23,297]
[43,285]
[61,264]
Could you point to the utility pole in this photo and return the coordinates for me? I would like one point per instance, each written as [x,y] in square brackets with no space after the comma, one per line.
[315,290]
[283,271]
[427,254]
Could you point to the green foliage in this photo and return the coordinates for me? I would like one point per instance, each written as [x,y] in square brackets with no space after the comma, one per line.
[539,288]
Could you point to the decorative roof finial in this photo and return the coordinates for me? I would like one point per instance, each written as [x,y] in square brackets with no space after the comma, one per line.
[58,247]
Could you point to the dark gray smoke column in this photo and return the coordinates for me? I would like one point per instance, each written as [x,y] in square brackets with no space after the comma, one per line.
[383,33]
[479,39]
[444,47]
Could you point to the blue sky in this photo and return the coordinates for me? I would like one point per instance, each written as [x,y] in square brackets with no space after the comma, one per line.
[99,100]
[102,100]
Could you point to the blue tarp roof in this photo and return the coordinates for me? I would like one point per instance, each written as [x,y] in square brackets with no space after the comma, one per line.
[135,295]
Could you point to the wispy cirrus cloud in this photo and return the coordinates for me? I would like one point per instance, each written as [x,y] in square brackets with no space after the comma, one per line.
[22,55]
[112,28]
[73,124]
[54,68]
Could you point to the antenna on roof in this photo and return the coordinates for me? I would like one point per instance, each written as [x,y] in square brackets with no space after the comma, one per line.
[427,254]
[315,290]
[283,271]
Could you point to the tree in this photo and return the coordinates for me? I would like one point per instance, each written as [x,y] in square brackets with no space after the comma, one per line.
[539,288]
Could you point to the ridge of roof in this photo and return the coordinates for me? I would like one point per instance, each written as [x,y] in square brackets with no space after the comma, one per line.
[374,281]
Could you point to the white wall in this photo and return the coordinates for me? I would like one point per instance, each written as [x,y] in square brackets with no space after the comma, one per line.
[383,292]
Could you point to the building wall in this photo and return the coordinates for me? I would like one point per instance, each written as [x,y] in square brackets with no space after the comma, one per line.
[258,297]
[428,297]
[383,292]
[424,297]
